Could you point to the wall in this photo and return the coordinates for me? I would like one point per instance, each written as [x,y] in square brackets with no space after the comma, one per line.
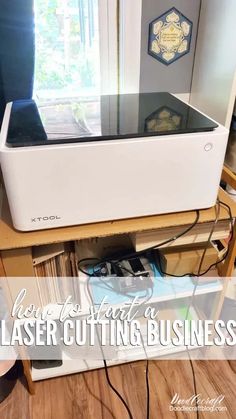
[155,76]
[214,78]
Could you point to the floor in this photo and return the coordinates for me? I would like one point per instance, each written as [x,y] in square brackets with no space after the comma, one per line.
[85,396]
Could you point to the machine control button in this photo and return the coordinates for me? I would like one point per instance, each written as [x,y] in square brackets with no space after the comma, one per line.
[208,147]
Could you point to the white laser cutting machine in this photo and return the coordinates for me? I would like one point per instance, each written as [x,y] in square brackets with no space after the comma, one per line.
[108,158]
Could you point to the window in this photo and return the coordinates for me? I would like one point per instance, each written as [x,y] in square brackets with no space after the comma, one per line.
[69,47]
[77,48]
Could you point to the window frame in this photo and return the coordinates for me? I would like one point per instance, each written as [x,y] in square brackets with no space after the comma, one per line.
[108,40]
[130,45]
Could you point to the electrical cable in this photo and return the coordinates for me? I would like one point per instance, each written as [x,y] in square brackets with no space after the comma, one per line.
[193,296]
[200,274]
[213,264]
[116,391]
[100,262]
[147,378]
[123,268]
[172,239]
[147,362]
[194,382]
[104,360]
[229,242]
[141,252]
[149,298]
[86,260]
[148,389]
[108,286]
[203,273]
[135,254]
[194,291]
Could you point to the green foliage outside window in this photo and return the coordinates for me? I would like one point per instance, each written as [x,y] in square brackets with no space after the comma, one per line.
[62,60]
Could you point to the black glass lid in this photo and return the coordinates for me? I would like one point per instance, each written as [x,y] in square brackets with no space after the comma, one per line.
[102,118]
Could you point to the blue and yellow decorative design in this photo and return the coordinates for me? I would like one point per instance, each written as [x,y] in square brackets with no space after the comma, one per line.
[170,36]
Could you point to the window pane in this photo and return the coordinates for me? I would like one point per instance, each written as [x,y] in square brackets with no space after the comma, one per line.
[67,49]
